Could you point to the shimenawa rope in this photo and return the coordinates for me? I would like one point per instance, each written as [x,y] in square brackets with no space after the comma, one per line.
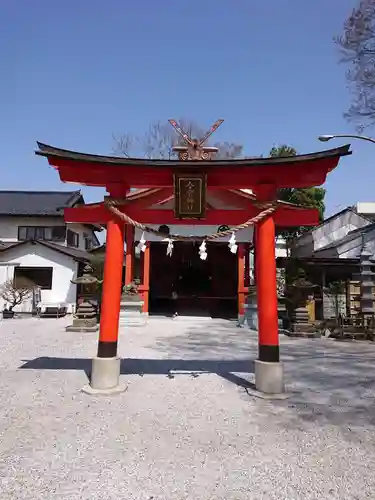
[112,204]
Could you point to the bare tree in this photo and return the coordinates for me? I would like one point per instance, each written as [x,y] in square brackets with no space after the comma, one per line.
[159,139]
[228,150]
[357,47]
[124,143]
[14,295]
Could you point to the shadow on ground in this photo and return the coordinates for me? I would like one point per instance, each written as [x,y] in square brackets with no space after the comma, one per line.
[167,367]
[330,382]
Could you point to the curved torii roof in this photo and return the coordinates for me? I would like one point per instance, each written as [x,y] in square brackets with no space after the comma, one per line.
[233,180]
[98,170]
[54,152]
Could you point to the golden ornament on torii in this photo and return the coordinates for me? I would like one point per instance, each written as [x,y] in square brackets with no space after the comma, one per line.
[190,187]
[195,149]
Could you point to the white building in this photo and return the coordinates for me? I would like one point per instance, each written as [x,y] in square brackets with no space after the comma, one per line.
[365,208]
[36,244]
[331,254]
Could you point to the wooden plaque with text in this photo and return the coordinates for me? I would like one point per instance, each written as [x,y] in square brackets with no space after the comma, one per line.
[190,195]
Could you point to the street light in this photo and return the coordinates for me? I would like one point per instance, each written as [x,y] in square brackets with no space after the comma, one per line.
[325,138]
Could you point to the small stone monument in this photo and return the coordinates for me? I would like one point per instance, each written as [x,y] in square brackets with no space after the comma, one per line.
[251,309]
[85,317]
[131,306]
[250,315]
[298,292]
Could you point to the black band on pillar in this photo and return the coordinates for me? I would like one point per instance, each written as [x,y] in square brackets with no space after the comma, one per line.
[269,353]
[107,349]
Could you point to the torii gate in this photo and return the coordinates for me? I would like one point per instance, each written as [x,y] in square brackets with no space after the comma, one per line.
[264,176]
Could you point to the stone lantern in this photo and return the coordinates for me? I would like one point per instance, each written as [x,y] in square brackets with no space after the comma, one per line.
[85,317]
[367,283]
[366,278]
[299,292]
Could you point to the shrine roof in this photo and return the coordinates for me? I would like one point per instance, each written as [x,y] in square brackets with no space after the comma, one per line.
[53,152]
[75,253]
[36,203]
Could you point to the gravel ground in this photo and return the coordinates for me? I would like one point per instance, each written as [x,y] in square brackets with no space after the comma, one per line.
[186,428]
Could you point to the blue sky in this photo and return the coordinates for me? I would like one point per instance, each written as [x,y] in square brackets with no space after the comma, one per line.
[76,72]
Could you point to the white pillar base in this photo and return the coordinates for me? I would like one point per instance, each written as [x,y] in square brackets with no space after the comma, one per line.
[105,376]
[269,378]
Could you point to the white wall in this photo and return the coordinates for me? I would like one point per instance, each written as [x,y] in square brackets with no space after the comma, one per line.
[280,247]
[29,255]
[366,208]
[9,227]
[6,273]
[81,230]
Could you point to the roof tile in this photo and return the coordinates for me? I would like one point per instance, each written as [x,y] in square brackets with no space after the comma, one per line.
[37,203]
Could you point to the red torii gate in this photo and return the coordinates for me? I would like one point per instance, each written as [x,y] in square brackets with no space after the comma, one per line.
[264,176]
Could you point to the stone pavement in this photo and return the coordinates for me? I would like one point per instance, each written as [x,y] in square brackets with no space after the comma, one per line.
[186,428]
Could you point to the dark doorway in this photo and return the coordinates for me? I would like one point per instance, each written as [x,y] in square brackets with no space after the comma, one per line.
[185,284]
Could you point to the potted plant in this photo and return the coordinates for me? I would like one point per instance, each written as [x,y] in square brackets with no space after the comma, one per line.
[8,313]
[14,295]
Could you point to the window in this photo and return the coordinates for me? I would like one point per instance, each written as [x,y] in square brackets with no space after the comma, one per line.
[30,233]
[72,238]
[50,233]
[88,242]
[33,276]
[58,233]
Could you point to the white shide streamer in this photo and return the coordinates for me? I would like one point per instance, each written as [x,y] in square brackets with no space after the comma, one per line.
[203,251]
[169,247]
[142,243]
[232,244]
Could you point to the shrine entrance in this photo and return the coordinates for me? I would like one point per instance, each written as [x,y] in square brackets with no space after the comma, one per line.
[193,190]
[190,286]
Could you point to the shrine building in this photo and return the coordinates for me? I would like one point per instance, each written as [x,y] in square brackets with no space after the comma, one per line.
[194,220]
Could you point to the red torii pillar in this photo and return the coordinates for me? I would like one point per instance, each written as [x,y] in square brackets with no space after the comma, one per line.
[106,366]
[269,378]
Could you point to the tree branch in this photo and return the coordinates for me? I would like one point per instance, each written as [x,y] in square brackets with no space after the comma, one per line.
[159,139]
[357,48]
[15,295]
